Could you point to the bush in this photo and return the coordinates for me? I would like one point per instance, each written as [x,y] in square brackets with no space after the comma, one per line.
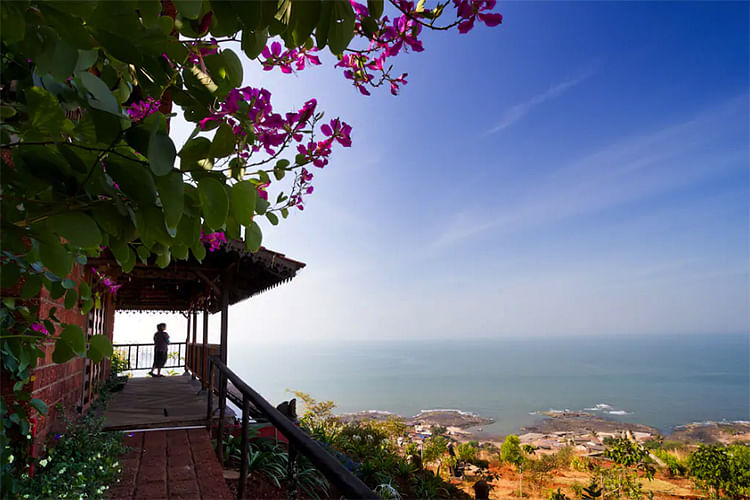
[83,463]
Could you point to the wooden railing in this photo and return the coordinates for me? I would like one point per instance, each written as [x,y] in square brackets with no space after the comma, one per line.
[141,356]
[347,483]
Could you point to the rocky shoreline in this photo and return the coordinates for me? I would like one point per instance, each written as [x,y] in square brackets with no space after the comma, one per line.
[467,425]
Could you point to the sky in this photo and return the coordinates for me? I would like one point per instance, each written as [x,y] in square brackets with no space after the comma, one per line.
[581,169]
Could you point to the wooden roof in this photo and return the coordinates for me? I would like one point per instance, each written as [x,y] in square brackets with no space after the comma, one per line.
[187,285]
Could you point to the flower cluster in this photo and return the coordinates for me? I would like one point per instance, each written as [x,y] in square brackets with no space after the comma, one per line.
[318,152]
[298,56]
[388,41]
[45,335]
[470,10]
[112,285]
[302,187]
[215,240]
[141,109]
[199,50]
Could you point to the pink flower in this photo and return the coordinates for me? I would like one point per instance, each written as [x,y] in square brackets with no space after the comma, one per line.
[141,109]
[469,10]
[215,240]
[38,327]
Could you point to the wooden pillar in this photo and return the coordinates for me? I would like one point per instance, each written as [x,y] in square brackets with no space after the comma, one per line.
[187,340]
[226,286]
[193,357]
[204,368]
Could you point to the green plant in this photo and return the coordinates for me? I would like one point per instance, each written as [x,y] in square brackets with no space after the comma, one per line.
[719,469]
[83,462]
[675,467]
[558,495]
[118,362]
[592,491]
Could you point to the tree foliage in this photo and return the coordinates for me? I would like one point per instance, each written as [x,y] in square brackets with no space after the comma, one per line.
[87,91]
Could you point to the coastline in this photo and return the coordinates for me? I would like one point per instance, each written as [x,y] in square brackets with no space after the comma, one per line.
[465,426]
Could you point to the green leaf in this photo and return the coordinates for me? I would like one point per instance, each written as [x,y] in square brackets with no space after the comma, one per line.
[253,237]
[68,283]
[253,42]
[75,338]
[192,152]
[250,13]
[279,172]
[55,257]
[32,286]
[143,254]
[224,142]
[341,28]
[261,205]
[243,202]
[225,69]
[161,153]
[78,228]
[135,180]
[84,290]
[7,112]
[375,8]
[172,196]
[46,117]
[106,126]
[9,274]
[12,21]
[272,218]
[102,98]
[39,405]
[190,9]
[62,352]
[100,347]
[304,18]
[214,202]
[71,299]
[163,259]
[87,305]
[86,59]
[199,251]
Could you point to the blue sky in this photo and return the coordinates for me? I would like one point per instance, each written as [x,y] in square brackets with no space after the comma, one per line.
[581,169]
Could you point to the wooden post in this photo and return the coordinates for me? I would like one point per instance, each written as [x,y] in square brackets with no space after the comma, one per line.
[243,446]
[222,413]
[187,338]
[191,348]
[225,289]
[205,347]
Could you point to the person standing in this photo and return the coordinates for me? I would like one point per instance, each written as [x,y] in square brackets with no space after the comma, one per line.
[161,347]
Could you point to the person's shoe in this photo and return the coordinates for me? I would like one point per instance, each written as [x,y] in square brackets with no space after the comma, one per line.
[152,374]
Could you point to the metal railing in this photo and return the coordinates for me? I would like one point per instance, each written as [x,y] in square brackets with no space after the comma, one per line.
[347,483]
[141,356]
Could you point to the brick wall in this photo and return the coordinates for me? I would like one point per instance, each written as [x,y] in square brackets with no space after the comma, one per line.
[67,386]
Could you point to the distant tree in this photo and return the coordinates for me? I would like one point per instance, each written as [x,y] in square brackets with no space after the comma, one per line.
[629,457]
[721,470]
[513,453]
[510,451]
[434,450]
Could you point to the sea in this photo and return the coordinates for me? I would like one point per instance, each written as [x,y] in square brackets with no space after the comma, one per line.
[662,381]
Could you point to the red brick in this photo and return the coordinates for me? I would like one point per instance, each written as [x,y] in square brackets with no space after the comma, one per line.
[120,493]
[151,490]
[156,472]
[183,489]
[182,473]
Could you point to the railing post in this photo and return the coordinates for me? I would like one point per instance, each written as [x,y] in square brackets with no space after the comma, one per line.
[210,384]
[243,446]
[291,472]
[137,350]
[129,347]
[222,410]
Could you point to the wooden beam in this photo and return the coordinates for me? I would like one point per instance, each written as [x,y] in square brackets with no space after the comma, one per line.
[205,348]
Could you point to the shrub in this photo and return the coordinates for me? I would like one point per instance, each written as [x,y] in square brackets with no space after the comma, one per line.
[83,463]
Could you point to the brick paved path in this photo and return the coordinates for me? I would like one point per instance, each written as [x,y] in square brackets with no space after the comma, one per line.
[170,465]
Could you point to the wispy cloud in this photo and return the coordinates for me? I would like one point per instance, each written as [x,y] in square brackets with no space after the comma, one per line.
[683,153]
[518,111]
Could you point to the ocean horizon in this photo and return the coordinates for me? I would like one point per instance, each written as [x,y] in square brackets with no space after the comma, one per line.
[662,381]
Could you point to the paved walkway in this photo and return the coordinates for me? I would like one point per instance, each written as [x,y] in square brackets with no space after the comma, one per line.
[174,464]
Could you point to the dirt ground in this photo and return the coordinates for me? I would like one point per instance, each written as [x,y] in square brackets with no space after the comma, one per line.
[506,487]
